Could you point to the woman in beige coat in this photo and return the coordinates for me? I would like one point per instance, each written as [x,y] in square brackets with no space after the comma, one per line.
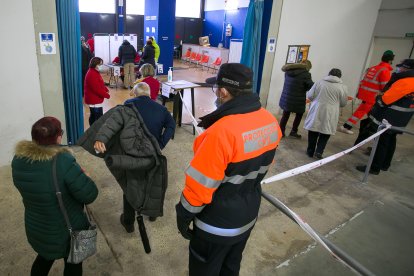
[326,96]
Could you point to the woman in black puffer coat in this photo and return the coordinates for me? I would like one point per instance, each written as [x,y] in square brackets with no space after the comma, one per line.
[298,80]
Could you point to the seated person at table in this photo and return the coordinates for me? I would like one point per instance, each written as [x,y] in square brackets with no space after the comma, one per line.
[117,60]
[156,117]
[147,72]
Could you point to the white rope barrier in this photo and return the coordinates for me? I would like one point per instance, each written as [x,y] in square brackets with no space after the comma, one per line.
[348,262]
[321,162]
[193,120]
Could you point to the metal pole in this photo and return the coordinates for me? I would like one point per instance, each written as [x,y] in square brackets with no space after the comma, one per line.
[371,156]
[352,263]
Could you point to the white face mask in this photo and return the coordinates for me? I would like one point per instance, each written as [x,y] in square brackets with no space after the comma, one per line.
[99,68]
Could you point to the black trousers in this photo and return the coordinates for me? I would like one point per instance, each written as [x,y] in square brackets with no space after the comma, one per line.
[42,266]
[316,142]
[96,113]
[129,212]
[385,151]
[212,259]
[285,119]
[366,128]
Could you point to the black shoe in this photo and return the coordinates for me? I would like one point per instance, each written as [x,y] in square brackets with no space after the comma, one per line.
[309,154]
[363,169]
[318,155]
[152,218]
[295,135]
[128,227]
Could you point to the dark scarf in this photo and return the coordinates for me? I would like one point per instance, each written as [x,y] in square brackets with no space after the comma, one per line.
[239,105]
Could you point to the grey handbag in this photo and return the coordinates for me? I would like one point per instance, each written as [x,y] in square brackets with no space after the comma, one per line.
[82,243]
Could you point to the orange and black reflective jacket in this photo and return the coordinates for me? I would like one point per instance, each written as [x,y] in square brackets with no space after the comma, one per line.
[397,104]
[374,81]
[222,186]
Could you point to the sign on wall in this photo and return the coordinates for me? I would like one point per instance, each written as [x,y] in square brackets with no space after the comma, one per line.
[297,53]
[271,44]
[47,43]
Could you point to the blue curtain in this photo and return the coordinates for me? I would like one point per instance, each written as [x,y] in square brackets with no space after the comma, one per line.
[68,20]
[252,37]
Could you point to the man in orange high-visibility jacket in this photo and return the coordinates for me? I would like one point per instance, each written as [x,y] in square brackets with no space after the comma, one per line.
[396,106]
[370,86]
[222,191]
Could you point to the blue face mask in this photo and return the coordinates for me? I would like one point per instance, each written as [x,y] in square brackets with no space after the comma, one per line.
[218,102]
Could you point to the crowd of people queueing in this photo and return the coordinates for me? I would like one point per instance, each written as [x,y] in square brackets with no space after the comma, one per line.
[383,95]
[220,201]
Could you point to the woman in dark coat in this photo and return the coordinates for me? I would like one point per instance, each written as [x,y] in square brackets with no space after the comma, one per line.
[46,229]
[298,80]
[149,54]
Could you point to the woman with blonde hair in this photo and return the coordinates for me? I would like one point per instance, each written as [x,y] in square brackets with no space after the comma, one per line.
[147,72]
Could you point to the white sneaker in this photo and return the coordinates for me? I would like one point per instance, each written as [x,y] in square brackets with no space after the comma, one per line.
[345,130]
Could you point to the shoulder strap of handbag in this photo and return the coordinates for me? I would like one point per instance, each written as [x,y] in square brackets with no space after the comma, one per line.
[59,194]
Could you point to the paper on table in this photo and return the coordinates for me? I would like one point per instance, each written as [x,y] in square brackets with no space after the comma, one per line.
[166,90]
[179,82]
[117,71]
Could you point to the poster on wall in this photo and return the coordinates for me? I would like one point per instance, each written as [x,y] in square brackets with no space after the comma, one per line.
[297,53]
[47,43]
[292,54]
[303,53]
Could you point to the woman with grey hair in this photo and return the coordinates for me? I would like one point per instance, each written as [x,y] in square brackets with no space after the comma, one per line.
[327,96]
[147,72]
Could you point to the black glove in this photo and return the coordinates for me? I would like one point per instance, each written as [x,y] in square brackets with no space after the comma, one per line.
[184,219]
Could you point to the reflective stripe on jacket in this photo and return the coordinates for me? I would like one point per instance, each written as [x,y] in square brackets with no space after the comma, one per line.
[399,103]
[374,81]
[223,180]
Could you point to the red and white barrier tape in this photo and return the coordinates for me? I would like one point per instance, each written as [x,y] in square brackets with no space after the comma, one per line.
[321,162]
[193,120]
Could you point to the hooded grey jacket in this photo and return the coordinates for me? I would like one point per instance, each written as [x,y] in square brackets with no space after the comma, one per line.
[327,96]
[133,156]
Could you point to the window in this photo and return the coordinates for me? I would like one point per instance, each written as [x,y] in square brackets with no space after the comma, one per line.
[97,6]
[135,7]
[188,8]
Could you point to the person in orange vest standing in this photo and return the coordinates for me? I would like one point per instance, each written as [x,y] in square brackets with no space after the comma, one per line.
[222,192]
[370,86]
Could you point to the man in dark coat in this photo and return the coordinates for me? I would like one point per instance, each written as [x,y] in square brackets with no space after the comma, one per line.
[298,80]
[134,158]
[149,54]
[127,55]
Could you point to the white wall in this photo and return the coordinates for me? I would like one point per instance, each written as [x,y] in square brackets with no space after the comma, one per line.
[400,46]
[21,102]
[214,5]
[395,23]
[339,33]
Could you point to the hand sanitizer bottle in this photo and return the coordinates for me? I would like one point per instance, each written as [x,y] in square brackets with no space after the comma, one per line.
[170,75]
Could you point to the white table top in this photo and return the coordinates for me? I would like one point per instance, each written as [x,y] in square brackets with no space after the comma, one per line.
[181,84]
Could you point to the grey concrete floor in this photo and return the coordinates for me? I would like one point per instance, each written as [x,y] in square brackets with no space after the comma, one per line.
[326,198]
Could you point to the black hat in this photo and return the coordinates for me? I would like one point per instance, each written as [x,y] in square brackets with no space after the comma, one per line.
[407,63]
[235,75]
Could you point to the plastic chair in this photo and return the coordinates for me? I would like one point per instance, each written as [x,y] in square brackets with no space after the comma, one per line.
[192,57]
[187,55]
[196,59]
[216,64]
[204,61]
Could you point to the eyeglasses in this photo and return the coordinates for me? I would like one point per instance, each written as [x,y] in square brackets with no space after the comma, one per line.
[62,132]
